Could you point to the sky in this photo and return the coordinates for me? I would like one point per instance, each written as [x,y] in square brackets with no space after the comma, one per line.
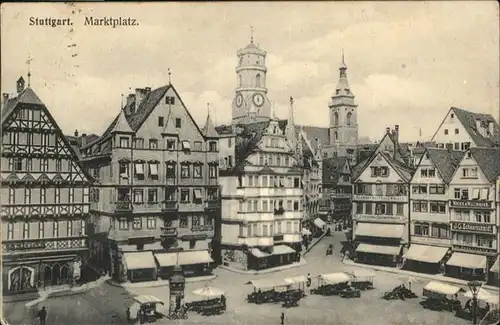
[408,62]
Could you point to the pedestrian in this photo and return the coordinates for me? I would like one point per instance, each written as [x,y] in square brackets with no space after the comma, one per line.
[309,280]
[282,318]
[42,315]
[128,313]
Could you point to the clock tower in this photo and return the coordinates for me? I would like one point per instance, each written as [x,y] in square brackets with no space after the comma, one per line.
[250,103]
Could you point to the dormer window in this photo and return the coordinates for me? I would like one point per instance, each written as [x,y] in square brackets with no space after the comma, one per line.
[171,144]
[124,142]
[186,145]
[170,100]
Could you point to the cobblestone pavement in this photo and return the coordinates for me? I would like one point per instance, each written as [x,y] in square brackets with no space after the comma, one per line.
[106,305]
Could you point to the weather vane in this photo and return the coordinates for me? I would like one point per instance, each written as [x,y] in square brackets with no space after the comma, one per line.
[28,62]
[251,34]
[169,77]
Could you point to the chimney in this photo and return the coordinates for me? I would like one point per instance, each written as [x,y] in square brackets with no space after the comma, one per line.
[396,132]
[387,130]
[148,90]
[5,98]
[129,106]
[76,133]
[20,85]
[140,94]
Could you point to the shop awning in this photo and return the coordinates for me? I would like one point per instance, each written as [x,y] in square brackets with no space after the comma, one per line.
[425,253]
[378,249]
[443,288]
[496,267]
[469,261]
[139,260]
[283,249]
[320,223]
[269,283]
[258,253]
[194,257]
[379,230]
[335,278]
[166,259]
[296,279]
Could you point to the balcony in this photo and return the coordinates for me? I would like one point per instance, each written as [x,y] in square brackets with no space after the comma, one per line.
[198,228]
[473,227]
[123,207]
[170,206]
[168,232]
[471,204]
[57,244]
[211,204]
[384,198]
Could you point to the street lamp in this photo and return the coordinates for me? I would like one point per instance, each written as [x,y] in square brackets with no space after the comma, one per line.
[474,287]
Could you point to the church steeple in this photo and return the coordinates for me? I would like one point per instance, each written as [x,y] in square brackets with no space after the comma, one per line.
[290,133]
[209,129]
[343,85]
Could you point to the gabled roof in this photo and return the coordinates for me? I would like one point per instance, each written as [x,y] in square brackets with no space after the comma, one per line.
[332,169]
[488,160]
[468,120]
[209,129]
[27,96]
[121,124]
[404,171]
[446,162]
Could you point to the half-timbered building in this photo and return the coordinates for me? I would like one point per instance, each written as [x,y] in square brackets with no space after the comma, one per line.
[44,195]
[156,194]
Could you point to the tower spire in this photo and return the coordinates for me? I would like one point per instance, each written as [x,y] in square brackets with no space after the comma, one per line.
[290,112]
[208,109]
[251,34]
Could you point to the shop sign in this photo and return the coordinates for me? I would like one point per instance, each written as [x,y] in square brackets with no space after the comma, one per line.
[376,217]
[473,227]
[470,204]
[474,249]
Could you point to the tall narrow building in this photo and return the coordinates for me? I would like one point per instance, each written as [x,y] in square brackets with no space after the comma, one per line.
[343,130]
[250,103]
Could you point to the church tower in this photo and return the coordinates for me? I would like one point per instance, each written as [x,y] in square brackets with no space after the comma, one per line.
[343,128]
[250,103]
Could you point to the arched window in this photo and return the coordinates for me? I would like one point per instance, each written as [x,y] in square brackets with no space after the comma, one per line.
[348,118]
[336,135]
[335,118]
[257,80]
[240,82]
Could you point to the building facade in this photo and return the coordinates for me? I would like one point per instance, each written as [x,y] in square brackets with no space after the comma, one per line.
[380,204]
[45,198]
[157,198]
[461,129]
[474,223]
[430,226]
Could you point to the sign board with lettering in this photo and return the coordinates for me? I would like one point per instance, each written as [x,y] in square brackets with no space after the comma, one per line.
[474,249]
[470,204]
[472,227]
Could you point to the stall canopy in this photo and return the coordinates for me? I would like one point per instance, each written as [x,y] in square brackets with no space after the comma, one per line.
[363,274]
[425,253]
[296,279]
[335,278]
[378,249]
[258,253]
[442,288]
[283,249]
[166,259]
[319,223]
[144,299]
[496,267]
[269,283]
[469,261]
[209,292]
[139,260]
[486,296]
[194,257]
[379,230]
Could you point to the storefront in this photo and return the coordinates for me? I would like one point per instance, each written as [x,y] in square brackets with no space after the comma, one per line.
[467,266]
[378,254]
[425,258]
[195,262]
[378,244]
[494,276]
[139,266]
[166,263]
[281,255]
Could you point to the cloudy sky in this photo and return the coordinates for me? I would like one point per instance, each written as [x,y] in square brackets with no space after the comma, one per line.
[408,62]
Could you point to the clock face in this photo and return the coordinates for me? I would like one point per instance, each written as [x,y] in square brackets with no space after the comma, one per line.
[258,99]
[239,100]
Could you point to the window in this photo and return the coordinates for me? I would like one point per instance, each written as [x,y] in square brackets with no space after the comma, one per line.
[461,193]
[153,170]
[465,145]
[420,206]
[349,118]
[10,230]
[419,189]
[178,123]
[296,182]
[431,173]
[153,144]
[469,172]
[197,195]
[170,100]
[57,195]
[139,170]
[161,121]
[170,171]
[335,118]
[369,208]
[183,222]
[445,131]
[336,135]
[212,170]
[195,221]
[27,195]
[44,165]
[212,146]
[359,207]
[197,146]
[436,189]
[138,196]
[380,208]
[123,170]
[456,131]
[257,80]
[296,206]
[483,241]
[423,173]
[229,142]
[152,195]
[71,195]
[139,143]
[55,229]
[287,161]
[186,145]
[69,228]
[26,230]
[261,160]
[462,215]
[197,171]
[399,209]
[151,223]
[185,170]
[380,171]
[184,196]
[171,144]
[482,216]
[437,206]
[124,142]
[137,223]
[456,146]
[43,195]
[192,244]
[96,172]
[421,229]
